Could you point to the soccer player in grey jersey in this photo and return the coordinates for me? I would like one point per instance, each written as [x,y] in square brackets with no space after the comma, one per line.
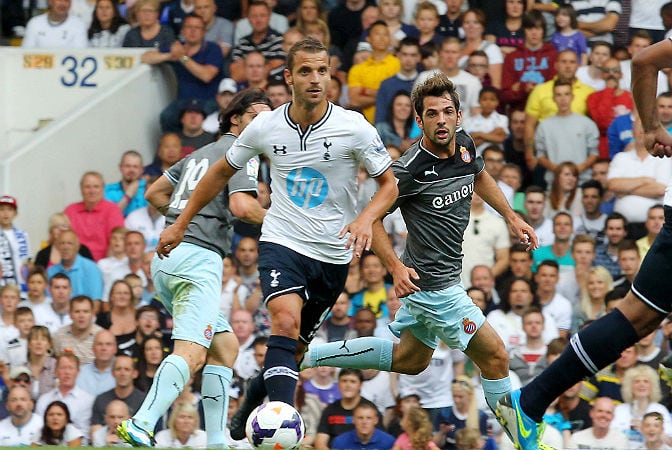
[315,149]
[436,178]
[189,283]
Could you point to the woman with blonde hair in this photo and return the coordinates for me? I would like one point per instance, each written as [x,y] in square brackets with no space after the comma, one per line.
[564,194]
[641,394]
[182,429]
[592,306]
[417,433]
[463,414]
[49,255]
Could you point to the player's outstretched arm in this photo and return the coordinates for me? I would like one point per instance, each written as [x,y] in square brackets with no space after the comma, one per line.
[645,67]
[403,276]
[207,188]
[487,188]
[382,201]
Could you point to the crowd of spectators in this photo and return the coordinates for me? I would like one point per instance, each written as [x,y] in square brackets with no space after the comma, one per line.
[544,90]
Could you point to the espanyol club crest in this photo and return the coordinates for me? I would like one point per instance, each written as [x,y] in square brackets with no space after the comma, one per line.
[468,326]
[464,154]
[208,332]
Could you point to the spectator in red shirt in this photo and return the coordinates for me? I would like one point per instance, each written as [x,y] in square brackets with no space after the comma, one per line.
[94,217]
[612,101]
[530,65]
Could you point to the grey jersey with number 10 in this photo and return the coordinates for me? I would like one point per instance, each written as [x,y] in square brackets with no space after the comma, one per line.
[435,201]
[211,228]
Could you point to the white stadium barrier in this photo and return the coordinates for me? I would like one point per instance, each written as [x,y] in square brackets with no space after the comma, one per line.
[64,112]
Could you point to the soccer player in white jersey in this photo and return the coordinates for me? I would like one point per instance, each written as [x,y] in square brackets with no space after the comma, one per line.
[307,239]
[190,282]
[436,177]
[647,303]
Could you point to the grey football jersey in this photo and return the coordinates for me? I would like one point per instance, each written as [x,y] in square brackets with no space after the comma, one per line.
[212,227]
[435,200]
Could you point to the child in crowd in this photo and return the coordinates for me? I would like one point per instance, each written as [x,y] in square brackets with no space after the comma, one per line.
[489,127]
[426,20]
[14,352]
[429,54]
[567,36]
[18,242]
[417,431]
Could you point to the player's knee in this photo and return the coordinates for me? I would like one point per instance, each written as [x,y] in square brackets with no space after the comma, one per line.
[285,323]
[224,350]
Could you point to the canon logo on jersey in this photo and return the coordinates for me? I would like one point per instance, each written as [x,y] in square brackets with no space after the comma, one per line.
[449,199]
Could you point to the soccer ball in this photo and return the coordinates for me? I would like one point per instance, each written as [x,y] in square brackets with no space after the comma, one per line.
[275,425]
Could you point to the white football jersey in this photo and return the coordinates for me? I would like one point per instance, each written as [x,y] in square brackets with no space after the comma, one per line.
[313,176]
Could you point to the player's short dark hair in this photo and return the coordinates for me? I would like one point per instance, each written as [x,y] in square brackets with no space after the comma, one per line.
[308,45]
[666,94]
[356,372]
[239,104]
[436,85]
[593,184]
[603,44]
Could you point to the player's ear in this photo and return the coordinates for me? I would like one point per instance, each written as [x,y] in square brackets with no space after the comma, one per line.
[235,119]
[418,120]
[459,118]
[288,76]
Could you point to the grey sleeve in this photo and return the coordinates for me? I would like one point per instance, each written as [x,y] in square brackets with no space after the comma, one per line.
[245,180]
[174,172]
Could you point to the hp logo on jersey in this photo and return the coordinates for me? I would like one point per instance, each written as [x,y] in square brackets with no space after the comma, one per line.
[306,187]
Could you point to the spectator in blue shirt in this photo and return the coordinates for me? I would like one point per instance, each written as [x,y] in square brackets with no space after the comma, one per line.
[365,436]
[85,277]
[129,193]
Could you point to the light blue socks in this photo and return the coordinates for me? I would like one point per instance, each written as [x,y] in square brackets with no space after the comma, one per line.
[494,390]
[360,353]
[169,381]
[215,398]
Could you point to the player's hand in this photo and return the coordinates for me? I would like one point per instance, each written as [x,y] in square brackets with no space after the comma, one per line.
[360,236]
[169,239]
[524,232]
[403,280]
[658,142]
